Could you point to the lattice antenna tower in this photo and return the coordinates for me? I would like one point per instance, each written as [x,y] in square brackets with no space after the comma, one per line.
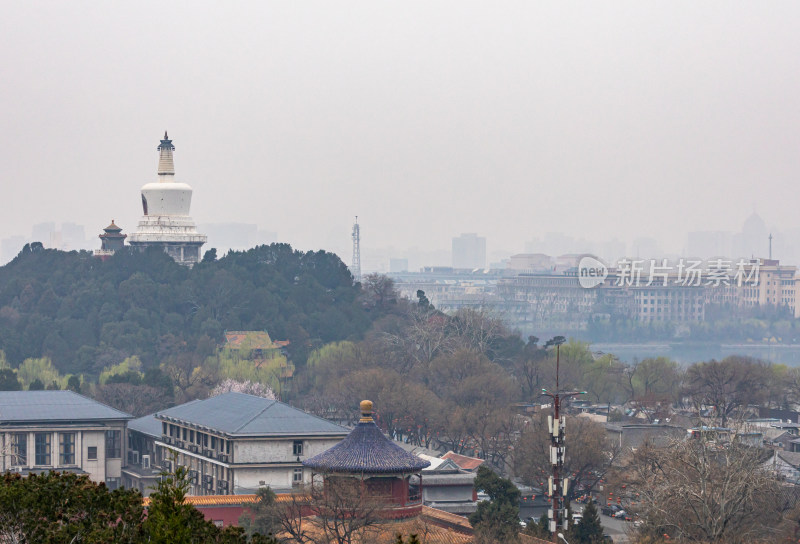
[356,266]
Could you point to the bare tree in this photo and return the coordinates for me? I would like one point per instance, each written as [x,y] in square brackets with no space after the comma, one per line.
[477,330]
[704,491]
[378,291]
[137,400]
[589,453]
[342,510]
[727,385]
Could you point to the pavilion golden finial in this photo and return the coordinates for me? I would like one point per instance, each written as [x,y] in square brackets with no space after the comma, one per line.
[366,411]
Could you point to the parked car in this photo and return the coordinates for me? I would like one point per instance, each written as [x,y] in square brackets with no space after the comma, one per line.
[611,510]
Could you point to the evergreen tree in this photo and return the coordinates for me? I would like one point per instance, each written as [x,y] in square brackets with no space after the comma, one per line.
[170,520]
[589,530]
[74,384]
[496,520]
[9,381]
[540,529]
[36,385]
[262,518]
[57,507]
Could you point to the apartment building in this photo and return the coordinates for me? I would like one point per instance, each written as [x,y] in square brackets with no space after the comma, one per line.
[64,431]
[232,443]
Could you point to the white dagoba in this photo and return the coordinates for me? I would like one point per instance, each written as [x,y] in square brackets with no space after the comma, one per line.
[166,222]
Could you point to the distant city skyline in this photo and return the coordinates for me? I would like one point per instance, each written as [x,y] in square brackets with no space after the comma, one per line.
[241,236]
[612,121]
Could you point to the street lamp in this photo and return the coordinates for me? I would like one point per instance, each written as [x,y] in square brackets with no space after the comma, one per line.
[557,485]
[561,536]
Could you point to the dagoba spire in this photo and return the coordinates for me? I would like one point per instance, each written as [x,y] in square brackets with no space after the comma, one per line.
[166,222]
[165,165]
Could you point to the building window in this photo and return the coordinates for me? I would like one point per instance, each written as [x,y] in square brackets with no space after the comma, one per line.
[91,453]
[19,449]
[42,448]
[297,477]
[66,449]
[297,447]
[113,444]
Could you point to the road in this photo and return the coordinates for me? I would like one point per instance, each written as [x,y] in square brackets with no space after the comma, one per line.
[617,529]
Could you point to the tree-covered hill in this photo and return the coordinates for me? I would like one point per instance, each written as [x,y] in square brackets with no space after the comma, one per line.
[85,314]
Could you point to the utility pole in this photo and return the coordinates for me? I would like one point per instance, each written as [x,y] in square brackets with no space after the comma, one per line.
[558,486]
[356,267]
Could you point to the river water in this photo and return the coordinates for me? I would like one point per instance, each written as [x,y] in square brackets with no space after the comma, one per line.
[687,353]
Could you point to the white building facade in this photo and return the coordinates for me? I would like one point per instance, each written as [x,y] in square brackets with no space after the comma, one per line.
[62,431]
[236,443]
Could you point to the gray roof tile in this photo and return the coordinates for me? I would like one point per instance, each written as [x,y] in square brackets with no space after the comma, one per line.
[238,414]
[148,425]
[34,406]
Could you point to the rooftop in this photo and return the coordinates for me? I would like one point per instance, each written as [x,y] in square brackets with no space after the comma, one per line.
[238,414]
[53,406]
[464,462]
[366,450]
[249,340]
[148,425]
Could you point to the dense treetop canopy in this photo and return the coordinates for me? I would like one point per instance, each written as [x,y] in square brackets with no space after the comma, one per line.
[84,313]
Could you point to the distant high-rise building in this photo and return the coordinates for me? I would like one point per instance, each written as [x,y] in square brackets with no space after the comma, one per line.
[44,233]
[166,222]
[10,248]
[753,240]
[708,244]
[73,236]
[398,265]
[236,236]
[469,251]
[646,248]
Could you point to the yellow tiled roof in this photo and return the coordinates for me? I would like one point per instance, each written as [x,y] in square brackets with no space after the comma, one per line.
[527,539]
[214,500]
[249,339]
[446,517]
[433,526]
[427,531]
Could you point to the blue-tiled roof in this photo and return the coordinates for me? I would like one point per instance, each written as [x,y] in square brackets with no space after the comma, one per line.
[238,414]
[366,450]
[148,425]
[34,406]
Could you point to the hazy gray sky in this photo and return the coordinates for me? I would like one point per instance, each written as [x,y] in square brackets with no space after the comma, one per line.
[426,119]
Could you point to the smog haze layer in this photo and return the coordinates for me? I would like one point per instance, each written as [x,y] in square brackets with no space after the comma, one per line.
[425,119]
